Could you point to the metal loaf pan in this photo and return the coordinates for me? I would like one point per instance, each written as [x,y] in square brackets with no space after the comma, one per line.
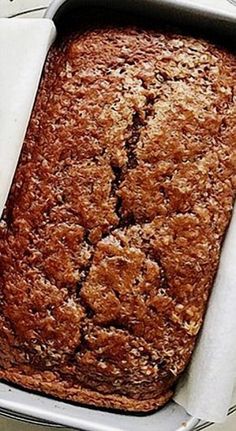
[214,19]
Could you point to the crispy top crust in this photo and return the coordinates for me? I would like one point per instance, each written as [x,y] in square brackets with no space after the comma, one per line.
[111,235]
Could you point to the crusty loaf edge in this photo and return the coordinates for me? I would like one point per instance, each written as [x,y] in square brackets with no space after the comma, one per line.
[16,319]
[56,388]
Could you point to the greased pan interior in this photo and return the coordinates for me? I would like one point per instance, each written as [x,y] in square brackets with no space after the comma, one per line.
[193,18]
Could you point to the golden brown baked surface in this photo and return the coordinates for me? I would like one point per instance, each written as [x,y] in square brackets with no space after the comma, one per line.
[111,235]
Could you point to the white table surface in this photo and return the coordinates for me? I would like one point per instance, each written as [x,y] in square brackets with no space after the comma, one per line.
[14,7]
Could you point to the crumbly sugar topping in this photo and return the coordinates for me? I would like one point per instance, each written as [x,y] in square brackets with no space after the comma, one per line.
[111,236]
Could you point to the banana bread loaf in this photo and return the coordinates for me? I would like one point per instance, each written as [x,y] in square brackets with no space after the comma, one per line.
[111,235]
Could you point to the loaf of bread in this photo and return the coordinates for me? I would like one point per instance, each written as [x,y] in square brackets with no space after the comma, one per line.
[111,235]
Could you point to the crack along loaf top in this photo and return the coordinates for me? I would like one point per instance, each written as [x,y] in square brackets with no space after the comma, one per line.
[112,231]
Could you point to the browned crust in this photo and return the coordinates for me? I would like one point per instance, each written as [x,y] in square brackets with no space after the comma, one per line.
[112,231]
[59,389]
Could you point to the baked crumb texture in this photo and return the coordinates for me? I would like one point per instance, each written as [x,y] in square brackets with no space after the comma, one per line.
[111,236]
